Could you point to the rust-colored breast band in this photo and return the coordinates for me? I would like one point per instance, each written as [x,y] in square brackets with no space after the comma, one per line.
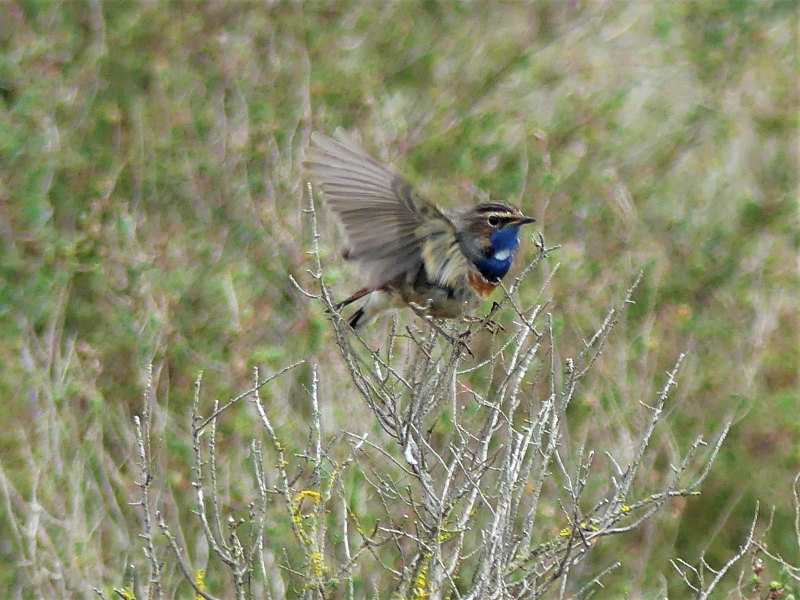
[482,287]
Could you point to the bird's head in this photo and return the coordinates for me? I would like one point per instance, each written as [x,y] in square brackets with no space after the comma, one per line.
[493,229]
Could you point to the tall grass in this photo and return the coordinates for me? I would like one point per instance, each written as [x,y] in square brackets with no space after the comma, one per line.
[153,214]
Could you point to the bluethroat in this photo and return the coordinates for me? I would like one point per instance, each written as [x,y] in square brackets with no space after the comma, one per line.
[442,262]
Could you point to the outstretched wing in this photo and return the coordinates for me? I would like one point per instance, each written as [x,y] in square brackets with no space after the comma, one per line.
[386,223]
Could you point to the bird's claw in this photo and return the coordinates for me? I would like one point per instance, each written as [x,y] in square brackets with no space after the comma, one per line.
[485,323]
[460,344]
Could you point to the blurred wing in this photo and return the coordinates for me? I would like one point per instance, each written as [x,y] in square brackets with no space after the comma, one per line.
[384,220]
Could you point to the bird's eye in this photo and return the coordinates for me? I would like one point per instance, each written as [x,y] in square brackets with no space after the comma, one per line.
[494,221]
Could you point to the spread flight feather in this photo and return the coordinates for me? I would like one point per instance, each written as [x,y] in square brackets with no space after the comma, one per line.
[390,229]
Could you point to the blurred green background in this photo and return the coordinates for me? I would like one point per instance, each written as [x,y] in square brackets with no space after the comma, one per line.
[151,213]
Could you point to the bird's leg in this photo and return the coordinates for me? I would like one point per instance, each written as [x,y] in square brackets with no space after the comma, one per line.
[458,342]
[486,323]
[491,324]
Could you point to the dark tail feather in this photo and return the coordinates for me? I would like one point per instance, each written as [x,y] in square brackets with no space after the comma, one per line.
[359,294]
[356,318]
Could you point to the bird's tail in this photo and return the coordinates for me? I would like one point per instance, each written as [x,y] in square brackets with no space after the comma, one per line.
[378,301]
[358,319]
[358,295]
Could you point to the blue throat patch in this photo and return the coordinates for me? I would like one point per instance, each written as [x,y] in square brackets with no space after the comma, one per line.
[497,261]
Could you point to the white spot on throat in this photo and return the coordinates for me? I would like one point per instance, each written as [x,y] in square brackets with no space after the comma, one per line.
[502,255]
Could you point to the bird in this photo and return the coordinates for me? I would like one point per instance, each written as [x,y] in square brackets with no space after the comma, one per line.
[410,252]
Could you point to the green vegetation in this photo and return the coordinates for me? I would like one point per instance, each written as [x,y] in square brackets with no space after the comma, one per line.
[151,213]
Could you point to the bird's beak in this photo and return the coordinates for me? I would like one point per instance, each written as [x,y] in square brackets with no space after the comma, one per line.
[525,220]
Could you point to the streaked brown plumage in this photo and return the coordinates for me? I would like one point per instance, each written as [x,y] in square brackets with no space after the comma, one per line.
[408,249]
